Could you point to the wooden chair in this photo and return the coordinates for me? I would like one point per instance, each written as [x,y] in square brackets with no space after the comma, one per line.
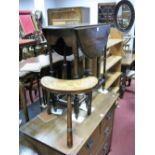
[29,30]
[69,88]
[32,43]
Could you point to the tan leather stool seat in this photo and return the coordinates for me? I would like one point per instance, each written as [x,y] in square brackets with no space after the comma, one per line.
[69,86]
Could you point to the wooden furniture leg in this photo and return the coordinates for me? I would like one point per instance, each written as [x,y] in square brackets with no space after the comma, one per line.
[76,106]
[69,122]
[38,85]
[23,101]
[89,101]
[44,96]
[88,65]
[49,105]
[76,59]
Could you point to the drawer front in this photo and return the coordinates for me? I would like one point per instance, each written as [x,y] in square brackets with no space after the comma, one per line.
[100,140]
[109,117]
[105,149]
[107,125]
[90,147]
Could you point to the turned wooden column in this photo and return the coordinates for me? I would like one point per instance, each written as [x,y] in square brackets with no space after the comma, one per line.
[88,66]
[98,67]
[69,122]
[51,60]
[23,100]
[76,57]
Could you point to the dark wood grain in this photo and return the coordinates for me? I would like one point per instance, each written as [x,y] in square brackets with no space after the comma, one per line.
[48,134]
[67,39]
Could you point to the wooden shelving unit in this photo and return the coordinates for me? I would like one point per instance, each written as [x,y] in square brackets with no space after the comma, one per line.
[113,61]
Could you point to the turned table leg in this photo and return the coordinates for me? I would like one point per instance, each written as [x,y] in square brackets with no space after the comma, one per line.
[88,102]
[23,101]
[69,122]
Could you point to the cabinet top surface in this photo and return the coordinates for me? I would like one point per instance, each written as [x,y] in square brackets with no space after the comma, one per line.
[50,133]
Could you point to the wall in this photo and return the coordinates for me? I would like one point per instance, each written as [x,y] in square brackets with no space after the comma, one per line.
[26,4]
[48,4]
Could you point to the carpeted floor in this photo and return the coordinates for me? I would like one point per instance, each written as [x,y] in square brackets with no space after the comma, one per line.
[123,139]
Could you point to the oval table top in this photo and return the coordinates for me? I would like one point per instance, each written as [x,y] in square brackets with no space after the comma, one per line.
[69,86]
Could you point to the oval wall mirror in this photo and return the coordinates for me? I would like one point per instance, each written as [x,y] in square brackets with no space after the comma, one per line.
[124,15]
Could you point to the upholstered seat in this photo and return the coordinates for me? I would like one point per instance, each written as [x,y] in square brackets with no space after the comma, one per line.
[26,22]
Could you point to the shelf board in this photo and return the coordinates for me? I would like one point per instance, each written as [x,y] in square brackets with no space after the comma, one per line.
[112,42]
[111,61]
[111,79]
[114,89]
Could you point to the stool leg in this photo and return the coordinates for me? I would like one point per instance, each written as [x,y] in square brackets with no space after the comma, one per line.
[44,97]
[69,122]
[49,106]
[88,102]
[76,106]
